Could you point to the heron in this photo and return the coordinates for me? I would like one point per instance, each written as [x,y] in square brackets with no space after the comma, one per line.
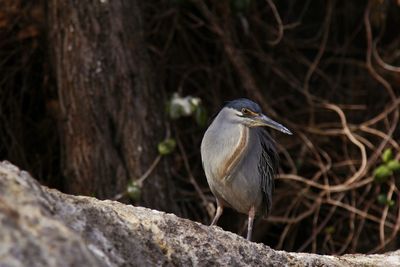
[240,159]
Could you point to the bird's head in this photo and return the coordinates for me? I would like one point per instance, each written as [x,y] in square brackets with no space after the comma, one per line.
[249,113]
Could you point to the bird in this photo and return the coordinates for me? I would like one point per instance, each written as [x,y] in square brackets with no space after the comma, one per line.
[240,159]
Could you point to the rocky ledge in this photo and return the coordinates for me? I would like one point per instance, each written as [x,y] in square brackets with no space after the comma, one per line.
[44,227]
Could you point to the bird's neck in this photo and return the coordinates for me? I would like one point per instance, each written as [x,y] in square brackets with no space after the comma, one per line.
[238,150]
[225,146]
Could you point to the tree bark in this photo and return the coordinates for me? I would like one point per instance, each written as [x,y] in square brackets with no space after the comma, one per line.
[112,110]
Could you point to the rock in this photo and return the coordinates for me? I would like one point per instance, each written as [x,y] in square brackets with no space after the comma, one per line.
[43,227]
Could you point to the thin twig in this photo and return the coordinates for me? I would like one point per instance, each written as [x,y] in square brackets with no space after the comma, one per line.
[279,21]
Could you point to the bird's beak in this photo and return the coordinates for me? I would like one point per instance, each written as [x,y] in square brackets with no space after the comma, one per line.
[262,120]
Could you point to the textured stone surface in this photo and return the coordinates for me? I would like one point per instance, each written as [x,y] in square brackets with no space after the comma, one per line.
[43,227]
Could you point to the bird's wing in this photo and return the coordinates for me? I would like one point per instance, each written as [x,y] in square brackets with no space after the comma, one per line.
[267,167]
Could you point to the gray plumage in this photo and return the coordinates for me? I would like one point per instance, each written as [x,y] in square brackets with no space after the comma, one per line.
[240,159]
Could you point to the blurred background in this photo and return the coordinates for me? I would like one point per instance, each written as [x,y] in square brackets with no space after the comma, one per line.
[111,99]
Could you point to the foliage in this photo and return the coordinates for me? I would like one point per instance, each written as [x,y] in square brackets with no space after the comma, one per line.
[167,146]
[187,106]
[382,199]
[133,191]
[387,168]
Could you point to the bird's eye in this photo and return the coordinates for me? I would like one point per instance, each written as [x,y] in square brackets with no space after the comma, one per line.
[245,111]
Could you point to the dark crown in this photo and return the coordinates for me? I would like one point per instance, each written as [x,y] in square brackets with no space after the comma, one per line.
[240,103]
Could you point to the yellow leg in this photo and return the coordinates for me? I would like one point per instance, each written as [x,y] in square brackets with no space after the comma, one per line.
[218,213]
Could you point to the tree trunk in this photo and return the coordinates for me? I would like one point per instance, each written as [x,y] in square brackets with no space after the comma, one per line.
[112,111]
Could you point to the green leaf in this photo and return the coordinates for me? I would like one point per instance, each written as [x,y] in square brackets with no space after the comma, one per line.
[167,146]
[133,190]
[382,173]
[330,230]
[382,199]
[393,165]
[387,155]
[201,116]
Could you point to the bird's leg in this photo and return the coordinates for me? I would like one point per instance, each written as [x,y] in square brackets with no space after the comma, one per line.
[218,213]
[252,213]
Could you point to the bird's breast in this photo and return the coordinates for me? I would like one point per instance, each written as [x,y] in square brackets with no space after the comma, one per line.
[237,152]
[222,148]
